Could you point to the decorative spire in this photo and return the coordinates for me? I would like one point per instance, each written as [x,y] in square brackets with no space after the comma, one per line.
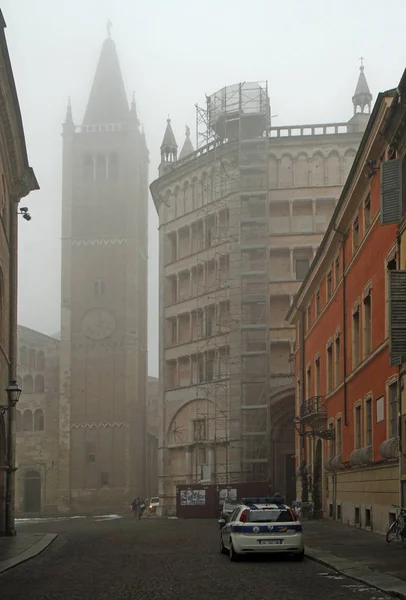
[169,147]
[68,126]
[187,145]
[107,101]
[362,97]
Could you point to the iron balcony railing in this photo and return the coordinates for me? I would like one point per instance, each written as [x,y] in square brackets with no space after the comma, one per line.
[313,406]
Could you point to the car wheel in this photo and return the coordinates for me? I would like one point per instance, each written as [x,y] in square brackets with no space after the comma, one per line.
[223,549]
[299,557]
[234,557]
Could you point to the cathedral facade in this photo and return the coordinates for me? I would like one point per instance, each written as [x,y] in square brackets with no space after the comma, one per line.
[103,346]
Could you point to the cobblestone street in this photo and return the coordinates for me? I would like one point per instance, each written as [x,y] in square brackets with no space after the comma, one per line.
[160,558]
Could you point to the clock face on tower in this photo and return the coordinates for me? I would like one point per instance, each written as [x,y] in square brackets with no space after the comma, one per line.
[98,323]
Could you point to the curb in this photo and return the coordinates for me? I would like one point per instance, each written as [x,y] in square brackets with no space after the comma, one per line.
[357,571]
[36,549]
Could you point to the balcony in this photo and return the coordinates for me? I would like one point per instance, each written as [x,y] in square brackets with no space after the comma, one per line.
[313,410]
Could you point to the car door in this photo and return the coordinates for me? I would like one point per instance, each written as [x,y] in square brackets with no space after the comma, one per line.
[225,532]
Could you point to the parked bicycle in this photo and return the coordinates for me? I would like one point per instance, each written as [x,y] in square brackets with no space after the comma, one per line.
[398,527]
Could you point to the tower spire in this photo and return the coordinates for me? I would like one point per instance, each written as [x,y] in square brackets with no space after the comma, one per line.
[362,97]
[169,147]
[68,126]
[187,147]
[107,101]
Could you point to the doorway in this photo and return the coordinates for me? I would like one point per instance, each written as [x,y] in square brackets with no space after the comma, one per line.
[290,470]
[32,492]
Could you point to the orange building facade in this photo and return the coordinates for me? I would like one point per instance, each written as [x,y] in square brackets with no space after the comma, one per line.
[347,398]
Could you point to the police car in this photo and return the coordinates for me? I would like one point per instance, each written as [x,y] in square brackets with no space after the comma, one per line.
[264,525]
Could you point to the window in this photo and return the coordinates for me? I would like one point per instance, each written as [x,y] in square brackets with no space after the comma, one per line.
[337,271]
[113,167]
[38,420]
[317,303]
[309,382]
[355,234]
[337,360]
[331,441]
[39,384]
[393,410]
[210,366]
[309,316]
[302,266]
[329,368]
[199,430]
[390,266]
[88,171]
[40,361]
[28,384]
[367,332]
[339,434]
[31,359]
[104,479]
[101,171]
[329,285]
[357,427]
[367,212]
[27,420]
[317,376]
[368,422]
[99,287]
[200,369]
[23,355]
[355,337]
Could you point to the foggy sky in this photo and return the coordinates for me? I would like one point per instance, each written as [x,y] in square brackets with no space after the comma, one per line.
[172,53]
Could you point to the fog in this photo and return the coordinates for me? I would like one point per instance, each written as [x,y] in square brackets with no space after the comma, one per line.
[172,53]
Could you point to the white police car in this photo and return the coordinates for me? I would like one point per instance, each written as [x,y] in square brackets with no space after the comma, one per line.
[264,525]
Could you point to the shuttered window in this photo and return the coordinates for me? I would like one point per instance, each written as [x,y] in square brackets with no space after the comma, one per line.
[392,190]
[397,317]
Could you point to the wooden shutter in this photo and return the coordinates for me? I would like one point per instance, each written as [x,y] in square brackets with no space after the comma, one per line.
[392,183]
[397,317]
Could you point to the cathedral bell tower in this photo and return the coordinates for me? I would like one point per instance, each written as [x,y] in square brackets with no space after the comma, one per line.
[103,366]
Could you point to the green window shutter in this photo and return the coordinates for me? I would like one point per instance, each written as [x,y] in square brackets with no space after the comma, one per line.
[397,317]
[391,191]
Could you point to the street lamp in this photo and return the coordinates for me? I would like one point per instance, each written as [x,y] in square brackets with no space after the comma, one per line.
[13,392]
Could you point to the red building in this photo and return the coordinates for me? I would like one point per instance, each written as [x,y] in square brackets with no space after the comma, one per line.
[347,394]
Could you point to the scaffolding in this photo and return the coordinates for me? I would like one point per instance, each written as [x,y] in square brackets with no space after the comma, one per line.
[231,431]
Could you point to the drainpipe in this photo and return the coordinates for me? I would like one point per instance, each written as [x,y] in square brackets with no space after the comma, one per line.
[343,237]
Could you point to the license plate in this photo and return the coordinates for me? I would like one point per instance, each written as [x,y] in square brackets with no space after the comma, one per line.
[269,542]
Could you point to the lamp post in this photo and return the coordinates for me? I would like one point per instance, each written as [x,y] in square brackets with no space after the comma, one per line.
[13,394]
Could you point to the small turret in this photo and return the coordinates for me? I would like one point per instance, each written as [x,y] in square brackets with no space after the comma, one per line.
[169,148]
[68,125]
[362,97]
[187,146]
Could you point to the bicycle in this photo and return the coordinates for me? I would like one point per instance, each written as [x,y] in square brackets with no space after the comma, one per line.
[398,527]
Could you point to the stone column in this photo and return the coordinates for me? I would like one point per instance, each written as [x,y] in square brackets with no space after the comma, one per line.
[191,325]
[177,245]
[314,213]
[177,329]
[290,216]
[292,269]
[278,172]
[190,228]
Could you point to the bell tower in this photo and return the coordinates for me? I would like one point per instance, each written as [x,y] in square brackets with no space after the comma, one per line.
[103,365]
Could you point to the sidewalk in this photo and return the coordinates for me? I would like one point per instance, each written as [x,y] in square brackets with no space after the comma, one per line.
[362,555]
[22,547]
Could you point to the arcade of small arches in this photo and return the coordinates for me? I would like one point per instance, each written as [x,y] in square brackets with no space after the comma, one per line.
[100,167]
[286,170]
[32,359]
[29,420]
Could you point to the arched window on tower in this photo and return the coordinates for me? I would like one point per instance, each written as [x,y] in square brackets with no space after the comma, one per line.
[38,420]
[40,361]
[88,169]
[99,287]
[100,167]
[28,385]
[39,384]
[27,420]
[31,358]
[23,356]
[113,167]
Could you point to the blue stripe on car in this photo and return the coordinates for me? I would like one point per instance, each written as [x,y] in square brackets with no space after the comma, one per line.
[265,528]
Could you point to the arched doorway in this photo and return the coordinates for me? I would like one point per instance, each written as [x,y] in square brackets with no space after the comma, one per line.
[32,492]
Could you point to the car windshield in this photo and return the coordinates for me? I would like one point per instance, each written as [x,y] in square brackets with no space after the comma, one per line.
[271,515]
